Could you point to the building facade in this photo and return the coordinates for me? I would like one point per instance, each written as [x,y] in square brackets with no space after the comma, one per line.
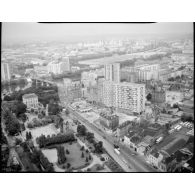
[71,90]
[59,66]
[148,71]
[112,72]
[5,72]
[31,100]
[129,76]
[89,78]
[109,121]
[125,96]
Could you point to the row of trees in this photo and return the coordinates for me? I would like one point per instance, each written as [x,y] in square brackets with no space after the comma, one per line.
[61,155]
[82,131]
[44,141]
[39,122]
[38,157]
[45,94]
[28,135]
[12,125]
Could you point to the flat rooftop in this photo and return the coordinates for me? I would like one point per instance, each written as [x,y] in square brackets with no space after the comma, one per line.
[30,95]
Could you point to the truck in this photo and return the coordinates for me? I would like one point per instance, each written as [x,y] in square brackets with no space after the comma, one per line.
[159,140]
[116,151]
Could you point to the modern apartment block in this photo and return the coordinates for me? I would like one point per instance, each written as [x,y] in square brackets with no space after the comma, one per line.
[126,96]
[112,72]
[59,66]
[5,72]
[129,96]
[66,64]
[148,71]
[71,90]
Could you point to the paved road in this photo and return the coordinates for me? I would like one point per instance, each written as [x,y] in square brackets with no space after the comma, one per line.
[130,163]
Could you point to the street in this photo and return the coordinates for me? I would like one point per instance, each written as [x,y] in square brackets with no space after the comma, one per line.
[130,163]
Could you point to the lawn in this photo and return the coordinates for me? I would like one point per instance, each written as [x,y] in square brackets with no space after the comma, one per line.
[38,131]
[51,155]
[74,158]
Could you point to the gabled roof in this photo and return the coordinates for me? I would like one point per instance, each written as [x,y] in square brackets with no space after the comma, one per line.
[154,153]
[173,146]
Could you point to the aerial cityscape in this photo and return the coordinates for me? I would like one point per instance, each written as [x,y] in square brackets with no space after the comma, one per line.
[97,97]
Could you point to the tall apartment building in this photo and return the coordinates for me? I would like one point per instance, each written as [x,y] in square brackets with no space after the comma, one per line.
[112,72]
[59,66]
[70,90]
[129,76]
[129,97]
[5,72]
[148,71]
[89,79]
[108,93]
[66,64]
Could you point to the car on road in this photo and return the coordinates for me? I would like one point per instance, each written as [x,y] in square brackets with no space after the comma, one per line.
[116,151]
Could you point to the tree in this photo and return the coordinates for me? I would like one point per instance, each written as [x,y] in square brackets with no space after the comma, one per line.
[18,141]
[149,97]
[86,160]
[81,130]
[98,147]
[175,106]
[61,155]
[68,165]
[30,125]
[90,137]
[67,112]
[67,151]
[82,155]
[20,108]
[7,98]
[82,148]
[30,135]
[53,108]
[90,157]
[13,127]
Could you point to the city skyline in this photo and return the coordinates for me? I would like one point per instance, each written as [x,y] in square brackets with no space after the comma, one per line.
[14,32]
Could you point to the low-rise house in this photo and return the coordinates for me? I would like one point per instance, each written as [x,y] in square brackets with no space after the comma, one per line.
[167,164]
[134,141]
[173,162]
[31,100]
[123,128]
[144,144]
[128,136]
[109,121]
[155,158]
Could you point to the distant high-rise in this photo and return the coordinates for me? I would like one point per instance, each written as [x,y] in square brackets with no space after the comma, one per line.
[66,64]
[112,72]
[59,66]
[5,72]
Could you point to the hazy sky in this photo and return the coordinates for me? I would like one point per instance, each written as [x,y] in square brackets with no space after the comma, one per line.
[19,32]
